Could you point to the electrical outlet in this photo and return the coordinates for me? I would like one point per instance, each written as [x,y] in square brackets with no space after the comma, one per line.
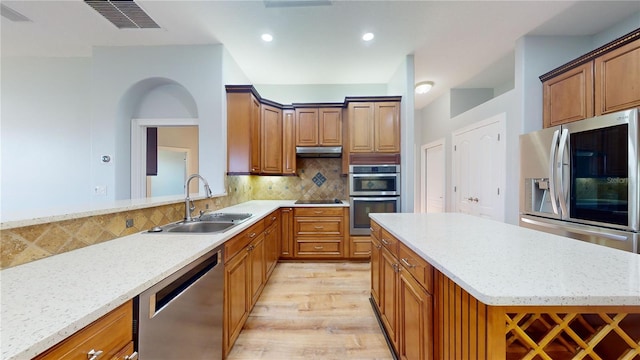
[129,223]
[100,190]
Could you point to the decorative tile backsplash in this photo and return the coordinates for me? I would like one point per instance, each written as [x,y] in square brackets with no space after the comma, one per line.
[318,179]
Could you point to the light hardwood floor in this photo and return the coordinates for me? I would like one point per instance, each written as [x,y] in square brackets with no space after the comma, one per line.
[313,311]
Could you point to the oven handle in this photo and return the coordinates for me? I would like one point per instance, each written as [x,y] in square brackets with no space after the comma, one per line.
[369,198]
[375,175]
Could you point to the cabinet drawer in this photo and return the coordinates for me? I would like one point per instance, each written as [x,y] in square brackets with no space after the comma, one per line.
[318,211]
[271,218]
[124,352]
[360,246]
[418,267]
[238,242]
[389,242]
[319,226]
[110,334]
[375,229]
[318,248]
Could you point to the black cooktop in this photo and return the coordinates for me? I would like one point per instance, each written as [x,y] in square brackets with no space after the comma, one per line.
[320,202]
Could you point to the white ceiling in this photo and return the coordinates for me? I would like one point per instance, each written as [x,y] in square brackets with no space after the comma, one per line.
[452,41]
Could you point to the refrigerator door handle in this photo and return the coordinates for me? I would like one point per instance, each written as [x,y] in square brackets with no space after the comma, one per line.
[552,171]
[562,192]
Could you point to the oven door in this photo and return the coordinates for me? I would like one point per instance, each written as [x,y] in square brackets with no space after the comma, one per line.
[603,164]
[361,207]
[374,184]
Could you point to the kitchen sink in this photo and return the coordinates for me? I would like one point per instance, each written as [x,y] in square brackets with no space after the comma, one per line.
[207,223]
[220,217]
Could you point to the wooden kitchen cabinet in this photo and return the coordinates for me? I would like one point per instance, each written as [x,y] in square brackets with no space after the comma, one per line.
[359,247]
[243,131]
[318,126]
[568,97]
[602,81]
[271,140]
[272,241]
[244,279]
[286,233]
[112,334]
[402,286]
[288,142]
[374,127]
[319,232]
[617,79]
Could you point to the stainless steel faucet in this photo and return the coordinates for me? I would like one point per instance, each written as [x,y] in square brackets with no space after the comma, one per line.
[188,204]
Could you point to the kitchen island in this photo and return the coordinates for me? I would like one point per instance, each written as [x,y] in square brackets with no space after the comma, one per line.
[490,290]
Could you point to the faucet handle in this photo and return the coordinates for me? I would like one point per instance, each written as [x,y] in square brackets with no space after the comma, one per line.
[191,206]
[207,191]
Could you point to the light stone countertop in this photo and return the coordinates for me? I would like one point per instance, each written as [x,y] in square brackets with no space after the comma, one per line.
[45,301]
[503,264]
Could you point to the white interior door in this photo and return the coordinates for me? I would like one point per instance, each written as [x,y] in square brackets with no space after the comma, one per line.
[433,177]
[479,158]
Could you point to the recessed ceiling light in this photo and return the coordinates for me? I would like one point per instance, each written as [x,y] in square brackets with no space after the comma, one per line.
[367,37]
[267,37]
[423,87]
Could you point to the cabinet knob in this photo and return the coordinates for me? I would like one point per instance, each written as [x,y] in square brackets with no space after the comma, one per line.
[273,218]
[94,354]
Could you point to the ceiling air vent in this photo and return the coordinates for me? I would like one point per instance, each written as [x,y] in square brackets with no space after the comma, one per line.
[12,15]
[124,14]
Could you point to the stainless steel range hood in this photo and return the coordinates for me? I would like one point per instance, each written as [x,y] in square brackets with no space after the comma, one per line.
[319,151]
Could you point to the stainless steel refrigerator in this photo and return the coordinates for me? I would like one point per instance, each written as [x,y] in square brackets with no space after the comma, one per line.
[580,180]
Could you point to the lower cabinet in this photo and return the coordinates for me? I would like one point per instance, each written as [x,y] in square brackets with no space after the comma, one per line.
[244,279]
[359,247]
[110,337]
[272,241]
[320,232]
[402,289]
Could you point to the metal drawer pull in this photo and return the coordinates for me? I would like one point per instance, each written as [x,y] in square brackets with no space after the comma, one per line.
[318,247]
[273,218]
[406,263]
[318,227]
[384,241]
[133,356]
[371,229]
[252,235]
[94,354]
[318,212]
[378,247]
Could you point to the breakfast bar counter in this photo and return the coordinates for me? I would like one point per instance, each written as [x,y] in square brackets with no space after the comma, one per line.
[501,291]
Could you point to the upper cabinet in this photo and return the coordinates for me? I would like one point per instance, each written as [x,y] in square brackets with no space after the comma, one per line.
[318,126]
[568,96]
[288,142]
[243,132]
[271,140]
[374,127]
[603,81]
[617,79]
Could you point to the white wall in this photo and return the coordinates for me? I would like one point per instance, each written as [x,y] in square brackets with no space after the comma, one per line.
[120,77]
[45,133]
[401,83]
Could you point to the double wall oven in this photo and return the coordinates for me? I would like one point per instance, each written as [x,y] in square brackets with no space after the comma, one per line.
[372,189]
[581,180]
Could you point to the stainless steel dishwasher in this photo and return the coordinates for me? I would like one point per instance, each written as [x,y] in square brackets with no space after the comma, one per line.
[181,316]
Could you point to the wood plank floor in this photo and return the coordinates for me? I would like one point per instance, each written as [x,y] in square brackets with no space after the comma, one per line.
[313,311]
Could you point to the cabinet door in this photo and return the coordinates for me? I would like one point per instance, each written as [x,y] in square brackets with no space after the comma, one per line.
[387,127]
[288,143]
[258,267]
[569,96]
[240,112]
[272,251]
[286,238]
[271,140]
[255,136]
[389,295]
[330,126]
[359,247]
[306,127]
[414,319]
[617,79]
[236,297]
[376,256]
[361,127]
